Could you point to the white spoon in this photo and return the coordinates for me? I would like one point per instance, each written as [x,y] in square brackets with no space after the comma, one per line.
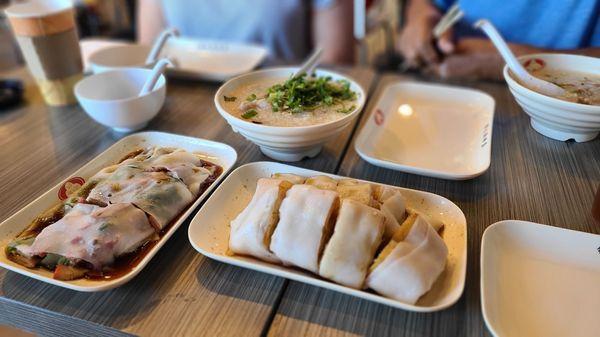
[539,85]
[159,69]
[159,43]
[310,64]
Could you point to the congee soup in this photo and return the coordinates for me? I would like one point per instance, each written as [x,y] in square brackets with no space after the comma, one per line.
[299,101]
[580,87]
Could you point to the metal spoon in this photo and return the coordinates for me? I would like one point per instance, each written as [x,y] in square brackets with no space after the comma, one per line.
[539,85]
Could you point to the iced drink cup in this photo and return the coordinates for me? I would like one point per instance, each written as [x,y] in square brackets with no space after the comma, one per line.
[47,35]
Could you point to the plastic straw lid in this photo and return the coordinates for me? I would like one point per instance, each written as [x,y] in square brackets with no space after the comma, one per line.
[37,8]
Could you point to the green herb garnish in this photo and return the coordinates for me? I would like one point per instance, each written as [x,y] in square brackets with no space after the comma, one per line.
[229,98]
[64,261]
[300,93]
[251,98]
[50,260]
[249,114]
[346,110]
[104,226]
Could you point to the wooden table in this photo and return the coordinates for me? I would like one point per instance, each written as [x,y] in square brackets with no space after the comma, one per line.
[182,293]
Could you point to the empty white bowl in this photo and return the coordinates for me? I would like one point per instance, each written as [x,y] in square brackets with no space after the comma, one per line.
[118,57]
[111,98]
[553,117]
[281,142]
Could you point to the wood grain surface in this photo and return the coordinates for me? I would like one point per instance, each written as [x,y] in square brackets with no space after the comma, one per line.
[531,177]
[180,293]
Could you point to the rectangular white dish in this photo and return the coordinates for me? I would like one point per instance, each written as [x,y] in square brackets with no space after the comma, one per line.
[539,280]
[218,153]
[209,234]
[200,59]
[211,59]
[429,129]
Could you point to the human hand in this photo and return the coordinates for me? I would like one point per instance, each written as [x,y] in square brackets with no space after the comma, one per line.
[416,41]
[474,58]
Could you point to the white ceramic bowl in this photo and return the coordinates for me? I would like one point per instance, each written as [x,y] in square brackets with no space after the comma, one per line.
[287,143]
[111,98]
[552,117]
[118,57]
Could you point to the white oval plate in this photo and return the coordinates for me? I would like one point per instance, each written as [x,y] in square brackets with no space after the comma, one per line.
[209,234]
[218,153]
[429,129]
[539,280]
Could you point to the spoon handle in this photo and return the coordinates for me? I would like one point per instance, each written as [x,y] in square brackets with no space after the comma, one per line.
[311,63]
[158,70]
[159,43]
[539,85]
[502,47]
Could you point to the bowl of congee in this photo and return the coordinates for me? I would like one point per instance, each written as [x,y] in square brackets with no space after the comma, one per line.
[574,115]
[290,117]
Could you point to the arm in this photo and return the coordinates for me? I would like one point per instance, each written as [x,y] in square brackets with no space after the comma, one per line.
[150,20]
[415,42]
[477,58]
[333,31]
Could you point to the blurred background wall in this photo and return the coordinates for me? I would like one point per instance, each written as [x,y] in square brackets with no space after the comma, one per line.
[115,19]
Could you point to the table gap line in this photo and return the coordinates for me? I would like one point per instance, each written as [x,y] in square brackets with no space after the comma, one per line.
[274,309]
[372,89]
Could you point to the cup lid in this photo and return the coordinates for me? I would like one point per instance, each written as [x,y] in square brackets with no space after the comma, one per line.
[38,8]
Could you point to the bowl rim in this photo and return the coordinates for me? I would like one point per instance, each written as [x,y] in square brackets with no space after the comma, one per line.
[92,59]
[159,86]
[270,129]
[548,100]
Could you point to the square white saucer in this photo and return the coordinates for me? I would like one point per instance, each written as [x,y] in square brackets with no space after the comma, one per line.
[429,129]
[539,280]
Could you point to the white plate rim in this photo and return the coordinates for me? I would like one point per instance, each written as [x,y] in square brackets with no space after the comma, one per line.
[485,251]
[326,284]
[367,128]
[102,285]
[261,53]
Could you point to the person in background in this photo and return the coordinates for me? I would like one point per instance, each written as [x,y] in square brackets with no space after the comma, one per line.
[288,28]
[529,26]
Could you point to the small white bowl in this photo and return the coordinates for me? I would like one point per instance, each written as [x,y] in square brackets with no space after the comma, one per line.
[281,142]
[111,98]
[119,57]
[553,117]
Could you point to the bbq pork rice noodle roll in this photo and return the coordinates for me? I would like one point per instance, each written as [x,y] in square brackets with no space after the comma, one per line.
[189,167]
[410,263]
[159,194]
[307,215]
[101,229]
[356,236]
[251,230]
[96,235]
